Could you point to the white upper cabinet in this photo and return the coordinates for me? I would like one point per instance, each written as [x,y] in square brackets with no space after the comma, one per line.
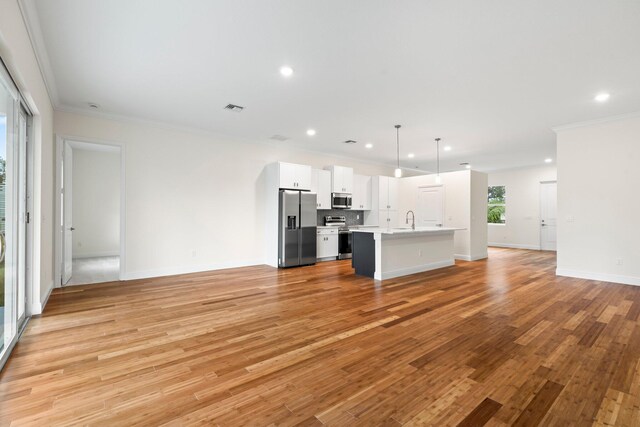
[341,179]
[293,176]
[321,185]
[361,196]
[385,192]
[393,194]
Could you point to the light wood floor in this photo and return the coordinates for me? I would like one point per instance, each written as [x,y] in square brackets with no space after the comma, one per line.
[497,342]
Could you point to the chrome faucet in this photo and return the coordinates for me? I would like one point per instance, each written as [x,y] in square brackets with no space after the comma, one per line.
[413,220]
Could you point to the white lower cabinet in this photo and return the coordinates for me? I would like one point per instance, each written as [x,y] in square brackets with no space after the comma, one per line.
[381,218]
[326,243]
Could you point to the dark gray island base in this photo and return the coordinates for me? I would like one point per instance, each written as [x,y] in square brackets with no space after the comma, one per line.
[363,260]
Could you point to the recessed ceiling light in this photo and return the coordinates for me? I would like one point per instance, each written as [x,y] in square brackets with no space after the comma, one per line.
[602,97]
[286,71]
[447,148]
[368,145]
[411,155]
[548,160]
[311,132]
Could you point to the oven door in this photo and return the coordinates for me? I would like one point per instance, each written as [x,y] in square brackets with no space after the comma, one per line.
[345,240]
[340,201]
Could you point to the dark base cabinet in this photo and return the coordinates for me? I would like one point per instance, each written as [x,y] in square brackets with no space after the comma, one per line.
[364,254]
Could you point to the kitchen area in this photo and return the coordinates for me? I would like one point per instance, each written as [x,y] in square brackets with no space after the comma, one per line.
[314,214]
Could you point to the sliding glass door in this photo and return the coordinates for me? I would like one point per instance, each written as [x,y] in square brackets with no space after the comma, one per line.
[13,215]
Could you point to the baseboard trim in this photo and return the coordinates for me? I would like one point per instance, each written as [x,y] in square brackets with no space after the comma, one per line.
[514,246]
[173,271]
[38,307]
[602,277]
[96,255]
[470,257]
[413,270]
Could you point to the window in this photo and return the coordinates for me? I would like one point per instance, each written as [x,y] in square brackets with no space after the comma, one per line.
[496,205]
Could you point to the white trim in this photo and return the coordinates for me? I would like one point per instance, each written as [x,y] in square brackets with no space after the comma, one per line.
[207,133]
[60,140]
[96,254]
[32,23]
[38,307]
[514,246]
[576,125]
[413,270]
[602,277]
[471,257]
[146,274]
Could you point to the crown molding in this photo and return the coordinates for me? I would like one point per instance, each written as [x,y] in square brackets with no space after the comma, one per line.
[32,23]
[587,123]
[217,135]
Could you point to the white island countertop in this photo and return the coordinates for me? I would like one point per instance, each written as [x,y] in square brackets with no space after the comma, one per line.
[405,230]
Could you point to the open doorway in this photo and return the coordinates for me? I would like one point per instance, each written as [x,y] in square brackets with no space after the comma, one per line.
[90,212]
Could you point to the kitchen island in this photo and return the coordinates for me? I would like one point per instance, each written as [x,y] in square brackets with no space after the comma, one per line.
[385,253]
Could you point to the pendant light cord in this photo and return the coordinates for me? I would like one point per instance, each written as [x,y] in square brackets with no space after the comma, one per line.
[438,155]
[398,145]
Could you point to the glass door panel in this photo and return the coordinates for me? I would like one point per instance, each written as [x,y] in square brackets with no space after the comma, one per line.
[13,185]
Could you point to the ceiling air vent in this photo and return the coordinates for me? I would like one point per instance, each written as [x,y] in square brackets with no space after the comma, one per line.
[280,138]
[350,141]
[233,107]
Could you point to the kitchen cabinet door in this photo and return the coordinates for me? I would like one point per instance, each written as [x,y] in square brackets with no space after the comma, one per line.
[294,177]
[287,172]
[383,192]
[327,245]
[347,180]
[365,192]
[341,179]
[324,189]
[393,193]
[303,177]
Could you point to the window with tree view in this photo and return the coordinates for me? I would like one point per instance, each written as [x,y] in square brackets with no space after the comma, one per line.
[496,206]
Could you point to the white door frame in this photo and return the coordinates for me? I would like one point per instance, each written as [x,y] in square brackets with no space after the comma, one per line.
[540,209]
[59,237]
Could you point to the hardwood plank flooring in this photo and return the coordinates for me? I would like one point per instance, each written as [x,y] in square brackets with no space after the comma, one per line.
[496,342]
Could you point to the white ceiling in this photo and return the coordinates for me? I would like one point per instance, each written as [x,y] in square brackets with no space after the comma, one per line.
[491,78]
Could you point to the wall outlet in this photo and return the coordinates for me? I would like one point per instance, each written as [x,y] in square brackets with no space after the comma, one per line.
[570,218]
[419,252]
[357,216]
[193,254]
[619,261]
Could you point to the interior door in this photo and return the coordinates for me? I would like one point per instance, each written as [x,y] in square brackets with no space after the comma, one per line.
[430,209]
[67,215]
[548,217]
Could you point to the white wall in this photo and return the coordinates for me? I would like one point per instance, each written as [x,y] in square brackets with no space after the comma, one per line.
[193,201]
[598,203]
[522,226]
[460,194]
[17,53]
[96,203]
[478,211]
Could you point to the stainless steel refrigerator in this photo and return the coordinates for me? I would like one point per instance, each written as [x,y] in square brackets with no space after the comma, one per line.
[297,228]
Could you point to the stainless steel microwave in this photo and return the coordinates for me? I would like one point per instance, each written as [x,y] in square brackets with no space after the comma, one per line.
[340,201]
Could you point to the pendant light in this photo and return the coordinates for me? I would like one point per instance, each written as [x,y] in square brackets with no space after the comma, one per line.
[438,179]
[398,171]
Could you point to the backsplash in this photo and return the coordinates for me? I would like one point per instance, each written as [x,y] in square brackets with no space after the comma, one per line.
[351,216]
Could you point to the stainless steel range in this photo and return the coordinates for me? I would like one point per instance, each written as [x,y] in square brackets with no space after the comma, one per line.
[344,234]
